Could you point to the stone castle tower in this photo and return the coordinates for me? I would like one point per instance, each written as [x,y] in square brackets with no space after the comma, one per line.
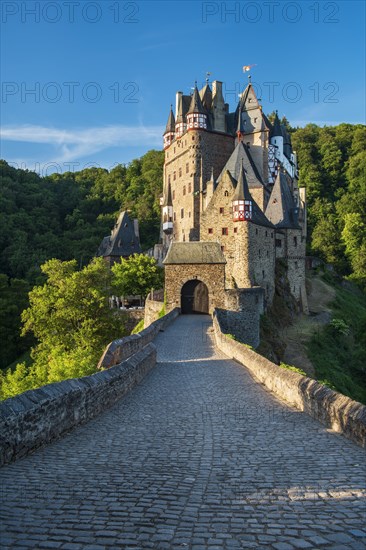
[231,206]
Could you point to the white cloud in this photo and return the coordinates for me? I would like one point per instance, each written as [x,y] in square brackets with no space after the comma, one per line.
[69,145]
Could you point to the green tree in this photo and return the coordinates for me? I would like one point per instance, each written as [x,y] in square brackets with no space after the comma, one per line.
[71,319]
[136,276]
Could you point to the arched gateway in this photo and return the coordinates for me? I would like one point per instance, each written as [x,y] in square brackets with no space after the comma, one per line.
[194,297]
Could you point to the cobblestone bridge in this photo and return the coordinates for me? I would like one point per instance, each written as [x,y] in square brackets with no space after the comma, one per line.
[198,456]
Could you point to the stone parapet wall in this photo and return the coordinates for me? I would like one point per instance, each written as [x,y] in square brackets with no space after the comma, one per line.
[241,316]
[334,410]
[40,416]
[152,311]
[121,349]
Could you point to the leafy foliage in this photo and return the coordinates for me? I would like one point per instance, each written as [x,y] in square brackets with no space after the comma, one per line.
[71,319]
[65,216]
[137,275]
[332,164]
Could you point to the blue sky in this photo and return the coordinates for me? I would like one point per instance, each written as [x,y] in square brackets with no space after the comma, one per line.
[91,82]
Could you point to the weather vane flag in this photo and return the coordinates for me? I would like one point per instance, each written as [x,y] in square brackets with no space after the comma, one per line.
[248,67]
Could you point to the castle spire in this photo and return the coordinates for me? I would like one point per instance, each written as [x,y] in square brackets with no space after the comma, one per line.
[242,201]
[167,212]
[170,125]
[196,115]
[169,129]
[277,131]
[196,103]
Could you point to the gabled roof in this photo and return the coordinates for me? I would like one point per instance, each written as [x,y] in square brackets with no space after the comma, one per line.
[170,125]
[196,103]
[281,208]
[241,155]
[123,241]
[194,252]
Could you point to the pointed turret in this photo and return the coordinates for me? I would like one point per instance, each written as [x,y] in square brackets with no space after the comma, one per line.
[168,212]
[180,125]
[282,210]
[196,115]
[242,200]
[277,138]
[169,129]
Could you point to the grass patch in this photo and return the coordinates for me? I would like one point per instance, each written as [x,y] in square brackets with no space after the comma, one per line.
[139,327]
[292,368]
[338,350]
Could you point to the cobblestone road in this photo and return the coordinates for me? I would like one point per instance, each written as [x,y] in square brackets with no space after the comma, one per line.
[198,456]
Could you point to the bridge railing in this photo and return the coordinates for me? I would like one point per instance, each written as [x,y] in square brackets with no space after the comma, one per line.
[336,411]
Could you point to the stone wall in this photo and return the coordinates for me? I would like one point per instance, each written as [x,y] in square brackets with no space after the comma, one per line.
[39,416]
[183,169]
[213,275]
[121,349]
[152,311]
[241,315]
[334,410]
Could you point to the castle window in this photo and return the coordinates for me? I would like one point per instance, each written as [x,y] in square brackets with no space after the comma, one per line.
[184,238]
[189,214]
[249,100]
[174,216]
[259,253]
[187,167]
[226,193]
[221,210]
[222,249]
[295,241]
[272,234]
[189,187]
[255,120]
[169,178]
[174,176]
[182,212]
[267,253]
[263,273]
[235,229]
[278,243]
[210,230]
[180,172]
[266,233]
[225,231]
[192,138]
[296,265]
[184,190]
[256,231]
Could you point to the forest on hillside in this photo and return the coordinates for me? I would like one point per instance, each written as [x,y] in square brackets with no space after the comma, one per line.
[65,216]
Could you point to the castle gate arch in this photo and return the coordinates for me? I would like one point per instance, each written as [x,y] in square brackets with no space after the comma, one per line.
[194,297]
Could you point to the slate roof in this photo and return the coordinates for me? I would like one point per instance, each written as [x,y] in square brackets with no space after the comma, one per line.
[241,155]
[196,103]
[195,252]
[170,125]
[242,190]
[123,241]
[281,209]
[276,127]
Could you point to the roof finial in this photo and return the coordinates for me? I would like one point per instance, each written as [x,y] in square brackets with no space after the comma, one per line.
[207,77]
